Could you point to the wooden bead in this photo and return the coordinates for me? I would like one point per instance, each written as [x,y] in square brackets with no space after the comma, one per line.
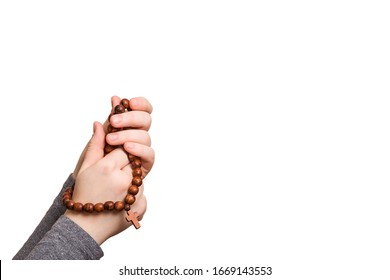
[131,157]
[119,205]
[119,109]
[109,205]
[111,129]
[127,207]
[133,190]
[137,181]
[108,149]
[66,192]
[78,206]
[99,207]
[88,207]
[130,199]
[137,172]
[69,190]
[69,205]
[136,163]
[126,103]
[66,196]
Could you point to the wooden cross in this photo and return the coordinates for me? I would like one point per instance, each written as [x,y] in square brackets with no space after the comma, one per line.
[132,217]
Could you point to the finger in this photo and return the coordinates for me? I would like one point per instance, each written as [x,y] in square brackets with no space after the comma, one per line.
[134,119]
[117,159]
[129,135]
[95,147]
[115,100]
[144,152]
[141,104]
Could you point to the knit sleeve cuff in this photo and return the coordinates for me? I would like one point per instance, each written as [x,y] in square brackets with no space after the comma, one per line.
[66,241]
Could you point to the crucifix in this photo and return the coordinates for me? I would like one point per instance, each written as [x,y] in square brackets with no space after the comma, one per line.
[132,217]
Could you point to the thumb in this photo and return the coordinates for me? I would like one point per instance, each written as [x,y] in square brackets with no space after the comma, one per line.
[95,148]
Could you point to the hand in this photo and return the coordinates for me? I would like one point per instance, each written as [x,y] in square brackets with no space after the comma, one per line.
[137,140]
[99,178]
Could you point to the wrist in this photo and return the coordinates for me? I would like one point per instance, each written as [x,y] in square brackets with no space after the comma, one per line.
[89,223]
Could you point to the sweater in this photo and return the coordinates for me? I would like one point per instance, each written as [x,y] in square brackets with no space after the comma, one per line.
[58,238]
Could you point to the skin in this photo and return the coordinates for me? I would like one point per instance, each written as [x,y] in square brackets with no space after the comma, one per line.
[99,178]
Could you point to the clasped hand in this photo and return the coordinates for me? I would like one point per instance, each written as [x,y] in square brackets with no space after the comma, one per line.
[100,178]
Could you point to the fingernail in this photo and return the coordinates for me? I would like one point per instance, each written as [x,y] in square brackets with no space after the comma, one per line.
[116,119]
[135,102]
[112,136]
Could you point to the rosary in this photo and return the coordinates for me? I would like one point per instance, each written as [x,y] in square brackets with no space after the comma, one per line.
[135,163]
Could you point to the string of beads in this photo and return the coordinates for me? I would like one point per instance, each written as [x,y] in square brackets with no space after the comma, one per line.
[136,165]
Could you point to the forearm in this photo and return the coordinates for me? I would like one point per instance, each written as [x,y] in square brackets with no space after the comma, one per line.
[66,241]
[51,216]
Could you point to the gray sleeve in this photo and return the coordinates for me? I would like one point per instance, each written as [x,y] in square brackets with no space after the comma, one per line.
[66,241]
[51,216]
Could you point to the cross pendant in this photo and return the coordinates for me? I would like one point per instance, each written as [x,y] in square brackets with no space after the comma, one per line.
[132,217]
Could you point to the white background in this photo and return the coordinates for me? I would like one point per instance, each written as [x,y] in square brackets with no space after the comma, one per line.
[270,126]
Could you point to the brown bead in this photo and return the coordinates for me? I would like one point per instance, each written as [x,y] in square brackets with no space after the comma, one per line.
[99,207]
[119,109]
[78,206]
[108,149]
[119,205]
[66,196]
[127,207]
[137,172]
[136,163]
[125,103]
[133,190]
[111,129]
[131,157]
[130,199]
[88,207]
[69,190]
[109,205]
[137,181]
[70,204]
[66,192]
[65,201]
